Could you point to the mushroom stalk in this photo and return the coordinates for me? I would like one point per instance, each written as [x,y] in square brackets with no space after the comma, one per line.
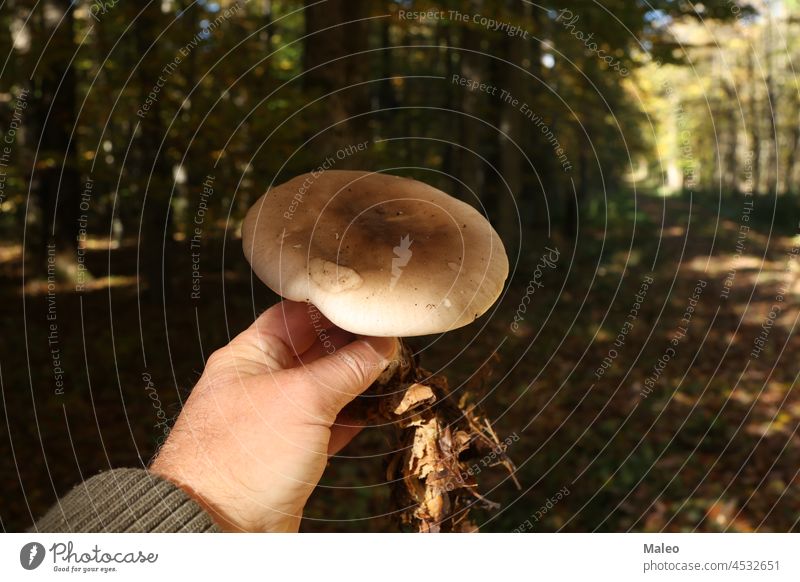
[439,440]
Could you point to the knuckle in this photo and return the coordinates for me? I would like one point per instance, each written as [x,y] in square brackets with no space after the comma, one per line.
[217,357]
[213,359]
[353,369]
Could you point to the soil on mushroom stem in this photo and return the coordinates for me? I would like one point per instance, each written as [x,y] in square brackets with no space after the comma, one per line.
[438,439]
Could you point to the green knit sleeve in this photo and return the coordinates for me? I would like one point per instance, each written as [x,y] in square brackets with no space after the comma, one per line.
[125,500]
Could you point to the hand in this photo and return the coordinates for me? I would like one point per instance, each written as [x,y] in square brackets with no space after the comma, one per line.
[254,436]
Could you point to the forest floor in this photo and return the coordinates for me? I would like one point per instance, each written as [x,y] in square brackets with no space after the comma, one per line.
[649,380]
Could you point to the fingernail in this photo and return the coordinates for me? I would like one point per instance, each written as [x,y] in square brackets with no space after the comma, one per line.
[386,347]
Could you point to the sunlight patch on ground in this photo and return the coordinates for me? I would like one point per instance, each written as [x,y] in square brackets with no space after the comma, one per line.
[776,412]
[9,253]
[673,231]
[41,286]
[760,313]
[783,423]
[722,264]
[765,277]
[12,253]
[98,243]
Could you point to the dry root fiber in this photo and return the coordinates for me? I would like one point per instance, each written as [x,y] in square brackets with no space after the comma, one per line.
[438,441]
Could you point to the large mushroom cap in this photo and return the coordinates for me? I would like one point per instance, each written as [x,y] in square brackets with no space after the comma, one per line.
[376,254]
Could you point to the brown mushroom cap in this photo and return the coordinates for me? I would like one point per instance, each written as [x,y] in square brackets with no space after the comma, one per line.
[376,254]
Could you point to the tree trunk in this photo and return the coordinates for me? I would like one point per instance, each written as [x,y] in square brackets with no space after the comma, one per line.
[330,65]
[730,173]
[508,195]
[56,174]
[450,152]
[469,167]
[755,135]
[267,32]
[573,199]
[772,110]
[541,187]
[772,156]
[155,174]
[386,94]
[791,160]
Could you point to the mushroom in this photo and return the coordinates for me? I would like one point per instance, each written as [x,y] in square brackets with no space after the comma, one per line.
[383,255]
[377,254]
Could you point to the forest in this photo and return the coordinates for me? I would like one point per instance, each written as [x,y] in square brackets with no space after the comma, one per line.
[638,159]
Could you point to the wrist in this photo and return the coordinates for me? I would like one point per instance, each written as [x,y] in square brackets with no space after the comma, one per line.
[230,517]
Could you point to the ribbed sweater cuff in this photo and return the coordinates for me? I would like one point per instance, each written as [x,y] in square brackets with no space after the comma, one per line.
[126,500]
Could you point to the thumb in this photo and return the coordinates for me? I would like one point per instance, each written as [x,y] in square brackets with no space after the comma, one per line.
[335,380]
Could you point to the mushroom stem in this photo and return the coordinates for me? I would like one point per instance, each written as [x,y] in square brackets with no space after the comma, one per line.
[439,442]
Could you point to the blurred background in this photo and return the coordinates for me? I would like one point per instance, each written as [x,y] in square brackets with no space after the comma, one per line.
[638,158]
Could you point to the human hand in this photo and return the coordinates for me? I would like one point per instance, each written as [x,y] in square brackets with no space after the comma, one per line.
[254,436]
